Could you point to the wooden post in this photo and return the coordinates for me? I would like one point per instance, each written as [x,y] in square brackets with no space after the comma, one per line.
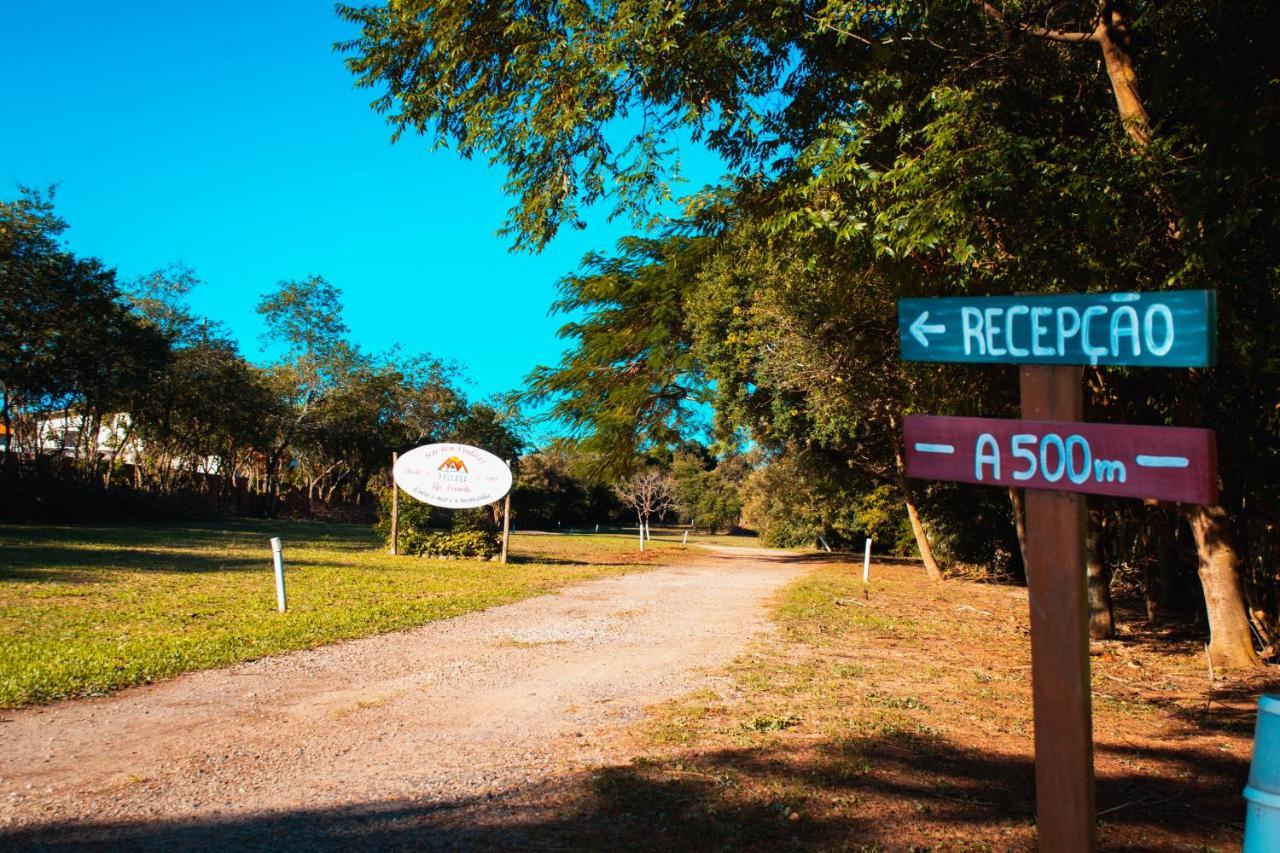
[395,508]
[506,519]
[1056,527]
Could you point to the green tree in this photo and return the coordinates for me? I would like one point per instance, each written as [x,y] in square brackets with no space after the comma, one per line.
[629,384]
[707,489]
[305,318]
[68,339]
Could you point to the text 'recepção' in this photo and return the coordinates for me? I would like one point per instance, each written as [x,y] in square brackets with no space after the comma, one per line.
[1162,329]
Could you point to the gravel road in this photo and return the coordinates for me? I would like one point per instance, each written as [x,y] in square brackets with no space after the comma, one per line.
[277,752]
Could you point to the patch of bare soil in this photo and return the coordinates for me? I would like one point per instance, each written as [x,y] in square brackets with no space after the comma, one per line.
[898,717]
[429,738]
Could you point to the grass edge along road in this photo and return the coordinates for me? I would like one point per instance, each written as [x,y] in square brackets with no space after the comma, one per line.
[87,610]
[898,716]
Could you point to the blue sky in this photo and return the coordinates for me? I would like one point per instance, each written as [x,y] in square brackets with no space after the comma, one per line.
[229,137]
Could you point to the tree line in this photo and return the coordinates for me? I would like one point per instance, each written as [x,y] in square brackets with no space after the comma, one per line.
[115,396]
[875,151]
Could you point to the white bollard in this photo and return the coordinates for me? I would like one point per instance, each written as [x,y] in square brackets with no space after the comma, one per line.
[686,538]
[278,558]
[866,563]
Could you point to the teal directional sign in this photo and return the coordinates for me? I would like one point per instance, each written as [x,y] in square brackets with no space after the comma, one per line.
[1174,328]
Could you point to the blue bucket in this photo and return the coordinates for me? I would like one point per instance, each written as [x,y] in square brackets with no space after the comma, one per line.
[1262,821]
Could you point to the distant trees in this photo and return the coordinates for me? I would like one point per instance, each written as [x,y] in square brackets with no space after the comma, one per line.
[149,398]
[68,338]
[630,382]
[707,491]
[552,489]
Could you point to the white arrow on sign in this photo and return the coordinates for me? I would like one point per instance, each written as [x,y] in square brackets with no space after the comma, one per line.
[922,327]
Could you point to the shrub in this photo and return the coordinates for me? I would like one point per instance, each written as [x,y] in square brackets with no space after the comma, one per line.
[473,544]
[427,531]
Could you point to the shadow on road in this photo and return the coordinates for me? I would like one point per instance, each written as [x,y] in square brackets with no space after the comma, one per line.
[898,790]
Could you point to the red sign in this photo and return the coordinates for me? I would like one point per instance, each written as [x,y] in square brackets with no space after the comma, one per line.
[1157,463]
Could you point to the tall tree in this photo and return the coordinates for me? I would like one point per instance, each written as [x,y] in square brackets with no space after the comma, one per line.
[303,316]
[68,339]
[629,384]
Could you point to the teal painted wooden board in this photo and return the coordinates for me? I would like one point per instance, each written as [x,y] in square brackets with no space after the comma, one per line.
[1176,328]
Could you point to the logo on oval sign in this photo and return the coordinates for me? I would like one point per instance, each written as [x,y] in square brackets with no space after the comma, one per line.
[453,476]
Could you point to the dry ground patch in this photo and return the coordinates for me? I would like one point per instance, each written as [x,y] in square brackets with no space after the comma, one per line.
[897,716]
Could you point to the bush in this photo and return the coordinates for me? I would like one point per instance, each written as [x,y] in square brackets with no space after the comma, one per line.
[472,544]
[427,531]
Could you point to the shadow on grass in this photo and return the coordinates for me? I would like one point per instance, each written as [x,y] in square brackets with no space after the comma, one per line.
[83,554]
[72,565]
[894,790]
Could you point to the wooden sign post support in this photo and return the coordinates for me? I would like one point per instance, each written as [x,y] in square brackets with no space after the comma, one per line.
[395,510]
[1056,525]
[506,521]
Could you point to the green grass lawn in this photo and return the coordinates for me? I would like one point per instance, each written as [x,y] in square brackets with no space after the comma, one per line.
[85,610]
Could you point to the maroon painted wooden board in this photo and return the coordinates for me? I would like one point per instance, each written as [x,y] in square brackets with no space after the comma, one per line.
[1157,463]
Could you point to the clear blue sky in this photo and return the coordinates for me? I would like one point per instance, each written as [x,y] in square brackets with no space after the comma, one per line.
[228,136]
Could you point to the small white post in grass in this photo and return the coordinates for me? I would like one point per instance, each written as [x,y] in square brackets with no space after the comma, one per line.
[866,563]
[597,528]
[686,538]
[278,558]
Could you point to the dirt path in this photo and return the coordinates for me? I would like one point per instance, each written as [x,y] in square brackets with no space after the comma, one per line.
[455,711]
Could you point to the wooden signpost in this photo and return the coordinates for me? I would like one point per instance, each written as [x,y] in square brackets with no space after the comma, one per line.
[1056,458]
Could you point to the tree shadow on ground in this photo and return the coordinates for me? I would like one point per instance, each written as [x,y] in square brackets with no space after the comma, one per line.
[51,563]
[886,791]
[1227,709]
[84,554]
[227,533]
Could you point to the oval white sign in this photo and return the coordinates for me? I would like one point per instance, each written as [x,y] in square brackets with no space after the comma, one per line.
[453,476]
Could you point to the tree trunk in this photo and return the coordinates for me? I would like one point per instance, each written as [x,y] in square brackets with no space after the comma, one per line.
[1020,524]
[917,526]
[1113,38]
[1152,549]
[1101,618]
[1230,643]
